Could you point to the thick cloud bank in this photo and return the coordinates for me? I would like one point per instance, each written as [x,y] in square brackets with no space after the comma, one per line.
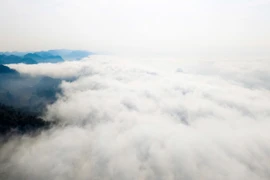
[153,119]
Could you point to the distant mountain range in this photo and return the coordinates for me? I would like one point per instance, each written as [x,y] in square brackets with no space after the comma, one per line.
[70,54]
[12,59]
[50,56]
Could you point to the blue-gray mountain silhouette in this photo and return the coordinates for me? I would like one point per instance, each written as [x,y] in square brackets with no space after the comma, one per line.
[7,70]
[44,57]
[12,59]
[50,56]
[71,54]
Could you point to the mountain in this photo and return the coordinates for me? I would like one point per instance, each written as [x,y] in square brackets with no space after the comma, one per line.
[70,54]
[7,70]
[14,120]
[44,57]
[27,60]
[50,56]
[26,92]
[29,93]
[33,56]
[12,59]
[23,99]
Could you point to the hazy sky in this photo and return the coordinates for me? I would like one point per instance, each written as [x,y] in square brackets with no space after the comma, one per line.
[171,27]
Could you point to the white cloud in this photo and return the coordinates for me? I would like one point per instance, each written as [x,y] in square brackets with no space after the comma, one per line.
[66,69]
[125,119]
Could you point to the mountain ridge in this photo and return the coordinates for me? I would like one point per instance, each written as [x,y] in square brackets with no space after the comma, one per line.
[49,56]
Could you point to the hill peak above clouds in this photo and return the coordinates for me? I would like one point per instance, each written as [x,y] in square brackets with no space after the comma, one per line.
[50,56]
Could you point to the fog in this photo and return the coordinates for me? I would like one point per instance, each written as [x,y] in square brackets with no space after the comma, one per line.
[127,118]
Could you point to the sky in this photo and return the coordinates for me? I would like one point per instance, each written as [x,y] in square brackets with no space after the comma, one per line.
[203,28]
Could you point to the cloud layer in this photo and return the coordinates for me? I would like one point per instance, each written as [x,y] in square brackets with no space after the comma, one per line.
[125,118]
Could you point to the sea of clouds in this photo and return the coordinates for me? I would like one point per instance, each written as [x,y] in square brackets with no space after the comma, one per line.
[126,118]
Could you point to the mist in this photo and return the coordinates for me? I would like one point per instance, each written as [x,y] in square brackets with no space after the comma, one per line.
[153,118]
